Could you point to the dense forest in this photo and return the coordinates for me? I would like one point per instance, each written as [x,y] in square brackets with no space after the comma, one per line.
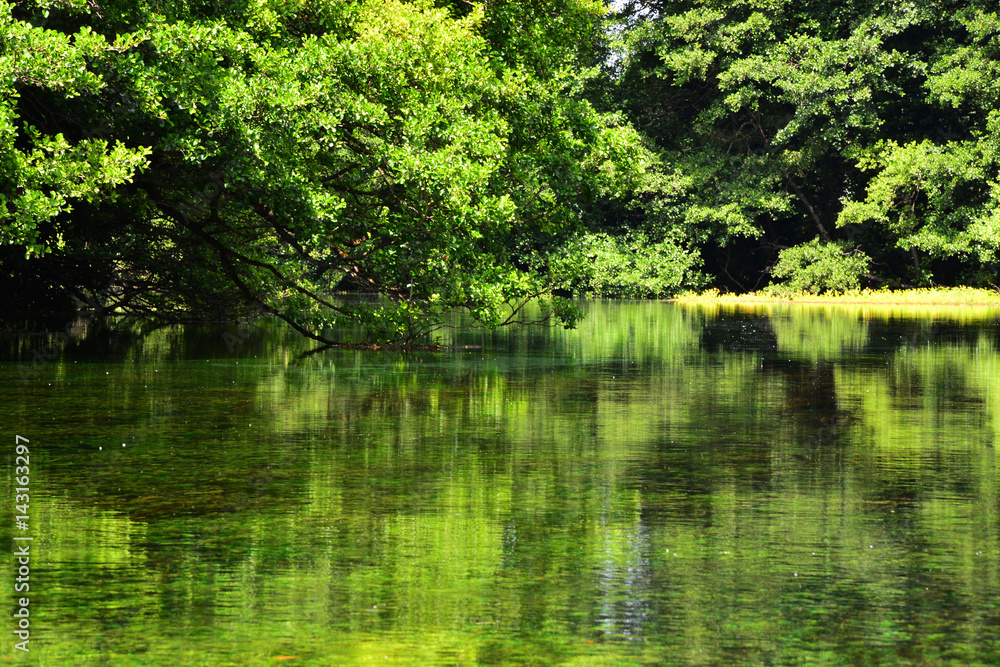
[210,160]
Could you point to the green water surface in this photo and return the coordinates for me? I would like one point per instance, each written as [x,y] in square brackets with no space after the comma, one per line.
[668,484]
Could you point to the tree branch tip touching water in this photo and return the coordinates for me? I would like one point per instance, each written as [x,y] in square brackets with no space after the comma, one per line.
[388,347]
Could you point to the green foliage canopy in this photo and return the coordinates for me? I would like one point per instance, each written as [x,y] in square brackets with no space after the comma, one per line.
[206,162]
[869,123]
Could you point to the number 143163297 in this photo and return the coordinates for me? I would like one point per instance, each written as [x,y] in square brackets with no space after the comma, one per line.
[22,542]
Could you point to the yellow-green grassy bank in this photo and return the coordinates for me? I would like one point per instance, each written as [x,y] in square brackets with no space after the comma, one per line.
[951,303]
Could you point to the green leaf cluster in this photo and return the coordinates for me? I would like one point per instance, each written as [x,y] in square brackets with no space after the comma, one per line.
[632,266]
[818,267]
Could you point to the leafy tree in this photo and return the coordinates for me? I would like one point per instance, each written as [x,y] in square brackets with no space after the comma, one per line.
[215,161]
[939,196]
[865,122]
[819,267]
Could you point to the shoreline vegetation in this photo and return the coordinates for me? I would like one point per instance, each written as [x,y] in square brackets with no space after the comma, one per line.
[924,296]
[953,304]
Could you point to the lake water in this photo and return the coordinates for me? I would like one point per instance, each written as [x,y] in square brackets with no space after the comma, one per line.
[668,484]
